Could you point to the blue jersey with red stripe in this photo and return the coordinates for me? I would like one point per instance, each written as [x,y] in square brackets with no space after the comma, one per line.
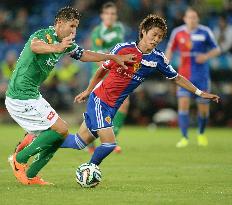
[189,45]
[120,82]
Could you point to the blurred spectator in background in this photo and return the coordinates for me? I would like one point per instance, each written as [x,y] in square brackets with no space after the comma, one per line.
[223,34]
[141,111]
[6,69]
[63,81]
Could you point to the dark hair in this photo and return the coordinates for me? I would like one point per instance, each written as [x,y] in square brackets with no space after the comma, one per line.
[67,14]
[150,22]
[107,5]
[190,8]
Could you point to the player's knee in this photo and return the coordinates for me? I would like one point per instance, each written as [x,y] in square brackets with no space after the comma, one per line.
[63,129]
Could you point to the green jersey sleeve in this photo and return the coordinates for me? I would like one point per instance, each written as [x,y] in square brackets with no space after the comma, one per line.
[42,35]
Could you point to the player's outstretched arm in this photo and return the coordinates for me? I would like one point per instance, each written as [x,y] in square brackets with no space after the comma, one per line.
[183,82]
[40,47]
[201,58]
[90,56]
[98,76]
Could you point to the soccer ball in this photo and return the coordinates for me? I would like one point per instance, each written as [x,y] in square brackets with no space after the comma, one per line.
[88,175]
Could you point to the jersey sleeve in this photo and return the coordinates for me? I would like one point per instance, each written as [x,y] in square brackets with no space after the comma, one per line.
[211,41]
[172,44]
[165,68]
[107,64]
[42,35]
[75,51]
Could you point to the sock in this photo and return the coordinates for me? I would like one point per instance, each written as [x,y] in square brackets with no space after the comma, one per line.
[74,142]
[102,152]
[202,121]
[183,118]
[41,159]
[45,140]
[118,122]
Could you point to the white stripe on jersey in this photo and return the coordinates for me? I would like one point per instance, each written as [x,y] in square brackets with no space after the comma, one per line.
[96,111]
[100,122]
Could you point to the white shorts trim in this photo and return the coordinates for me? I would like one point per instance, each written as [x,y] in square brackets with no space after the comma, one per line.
[33,115]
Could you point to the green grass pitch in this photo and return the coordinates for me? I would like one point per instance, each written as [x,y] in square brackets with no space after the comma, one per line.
[150,170]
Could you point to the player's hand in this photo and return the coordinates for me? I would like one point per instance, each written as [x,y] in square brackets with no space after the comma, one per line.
[201,58]
[210,96]
[120,59]
[65,43]
[82,97]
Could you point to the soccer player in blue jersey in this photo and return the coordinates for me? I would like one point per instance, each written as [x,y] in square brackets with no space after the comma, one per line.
[196,45]
[107,94]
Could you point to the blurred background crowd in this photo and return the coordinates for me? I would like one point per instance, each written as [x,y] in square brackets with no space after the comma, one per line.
[19,19]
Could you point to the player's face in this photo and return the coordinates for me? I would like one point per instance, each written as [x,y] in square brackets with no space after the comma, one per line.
[109,16]
[191,19]
[65,28]
[153,37]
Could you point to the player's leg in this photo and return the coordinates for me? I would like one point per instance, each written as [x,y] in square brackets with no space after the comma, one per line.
[35,116]
[203,114]
[183,119]
[108,144]
[119,120]
[56,133]
[44,145]
[79,140]
[85,134]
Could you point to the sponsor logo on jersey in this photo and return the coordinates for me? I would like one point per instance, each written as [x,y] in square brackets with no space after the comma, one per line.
[108,119]
[49,38]
[137,66]
[51,62]
[197,37]
[51,115]
[130,75]
[149,63]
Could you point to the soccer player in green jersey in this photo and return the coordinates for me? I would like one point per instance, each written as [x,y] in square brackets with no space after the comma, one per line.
[104,37]
[24,101]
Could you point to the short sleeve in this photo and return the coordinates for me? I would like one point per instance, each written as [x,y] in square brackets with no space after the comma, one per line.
[172,44]
[75,51]
[42,35]
[107,64]
[211,41]
[165,68]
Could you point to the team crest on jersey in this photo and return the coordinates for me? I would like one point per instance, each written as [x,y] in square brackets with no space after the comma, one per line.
[189,44]
[137,66]
[49,38]
[98,42]
[108,119]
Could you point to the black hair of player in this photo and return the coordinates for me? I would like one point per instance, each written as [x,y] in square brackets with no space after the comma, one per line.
[152,21]
[67,14]
[107,5]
